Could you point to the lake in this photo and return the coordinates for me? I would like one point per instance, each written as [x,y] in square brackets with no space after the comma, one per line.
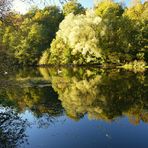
[73,107]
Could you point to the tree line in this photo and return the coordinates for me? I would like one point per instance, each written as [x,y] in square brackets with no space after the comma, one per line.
[110,33]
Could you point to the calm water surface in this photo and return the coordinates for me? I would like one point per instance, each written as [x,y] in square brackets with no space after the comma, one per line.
[73,108]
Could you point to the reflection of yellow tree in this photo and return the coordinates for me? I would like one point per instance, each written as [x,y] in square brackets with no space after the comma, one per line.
[102,95]
[78,96]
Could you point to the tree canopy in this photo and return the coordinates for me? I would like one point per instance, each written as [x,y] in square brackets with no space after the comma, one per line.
[107,34]
[73,7]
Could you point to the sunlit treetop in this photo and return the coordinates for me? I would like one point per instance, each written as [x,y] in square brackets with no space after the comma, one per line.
[138,11]
[108,7]
[73,7]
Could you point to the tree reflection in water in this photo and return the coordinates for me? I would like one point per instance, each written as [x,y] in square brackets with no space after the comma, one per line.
[102,94]
[12,128]
[25,90]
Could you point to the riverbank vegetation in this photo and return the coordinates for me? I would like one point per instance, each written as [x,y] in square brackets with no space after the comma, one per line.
[110,33]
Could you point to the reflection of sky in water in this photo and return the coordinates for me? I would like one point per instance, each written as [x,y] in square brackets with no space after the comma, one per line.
[86,133]
[119,105]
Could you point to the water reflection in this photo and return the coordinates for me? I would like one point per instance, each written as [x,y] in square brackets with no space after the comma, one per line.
[102,94]
[49,93]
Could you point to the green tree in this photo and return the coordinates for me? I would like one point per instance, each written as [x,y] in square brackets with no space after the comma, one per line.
[139,17]
[73,7]
[76,41]
[30,35]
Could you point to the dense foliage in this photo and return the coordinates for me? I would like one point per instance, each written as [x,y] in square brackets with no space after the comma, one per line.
[31,34]
[73,7]
[107,34]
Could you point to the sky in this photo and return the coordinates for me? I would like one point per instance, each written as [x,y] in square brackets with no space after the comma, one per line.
[22,7]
